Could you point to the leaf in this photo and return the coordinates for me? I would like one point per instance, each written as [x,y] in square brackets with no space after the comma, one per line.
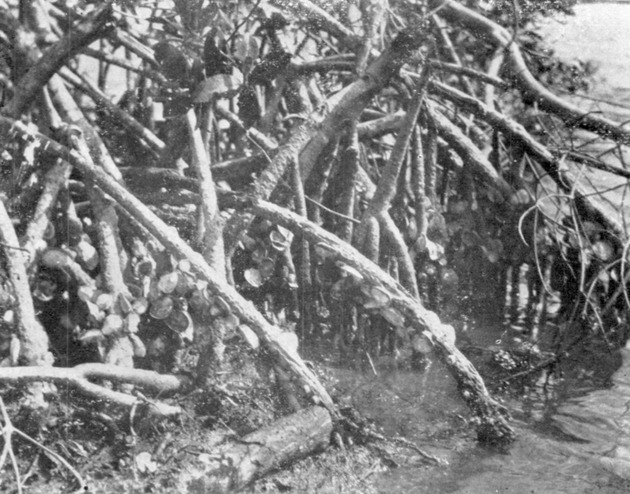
[266,268]
[132,323]
[151,290]
[337,290]
[258,254]
[139,349]
[434,250]
[392,316]
[168,282]
[144,267]
[589,228]
[249,336]
[161,308]
[87,254]
[231,322]
[178,321]
[140,305]
[113,324]
[450,278]
[248,242]
[470,238]
[603,250]
[222,305]
[493,249]
[184,266]
[520,197]
[253,277]
[91,336]
[246,47]
[420,244]
[355,16]
[185,284]
[421,344]
[349,271]
[104,301]
[9,317]
[278,241]
[86,293]
[145,463]
[94,311]
[324,251]
[124,304]
[77,448]
[49,232]
[134,290]
[457,207]
[218,85]
[197,301]
[377,298]
[45,290]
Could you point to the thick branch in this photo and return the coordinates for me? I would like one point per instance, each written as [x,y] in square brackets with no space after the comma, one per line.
[118,114]
[463,146]
[33,337]
[493,426]
[54,180]
[213,224]
[72,114]
[551,164]
[388,182]
[484,28]
[268,180]
[78,377]
[348,103]
[268,334]
[237,464]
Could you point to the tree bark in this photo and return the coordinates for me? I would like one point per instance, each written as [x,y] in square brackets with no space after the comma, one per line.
[240,462]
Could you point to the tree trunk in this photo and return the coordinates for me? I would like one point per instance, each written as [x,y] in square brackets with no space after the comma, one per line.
[238,463]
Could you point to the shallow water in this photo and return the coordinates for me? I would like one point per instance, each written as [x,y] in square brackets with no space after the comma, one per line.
[571,431]
[574,432]
[599,33]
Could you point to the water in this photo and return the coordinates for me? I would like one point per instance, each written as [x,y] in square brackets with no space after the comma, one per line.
[574,433]
[599,33]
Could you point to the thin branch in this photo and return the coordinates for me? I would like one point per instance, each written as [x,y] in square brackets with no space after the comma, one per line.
[448,45]
[486,29]
[118,114]
[78,378]
[492,415]
[551,164]
[480,166]
[268,334]
[81,35]
[125,64]
[133,45]
[472,73]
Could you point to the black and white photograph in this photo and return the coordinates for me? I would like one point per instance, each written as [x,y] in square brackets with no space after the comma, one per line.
[315,246]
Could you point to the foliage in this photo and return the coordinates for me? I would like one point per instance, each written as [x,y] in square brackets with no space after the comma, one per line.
[221,104]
